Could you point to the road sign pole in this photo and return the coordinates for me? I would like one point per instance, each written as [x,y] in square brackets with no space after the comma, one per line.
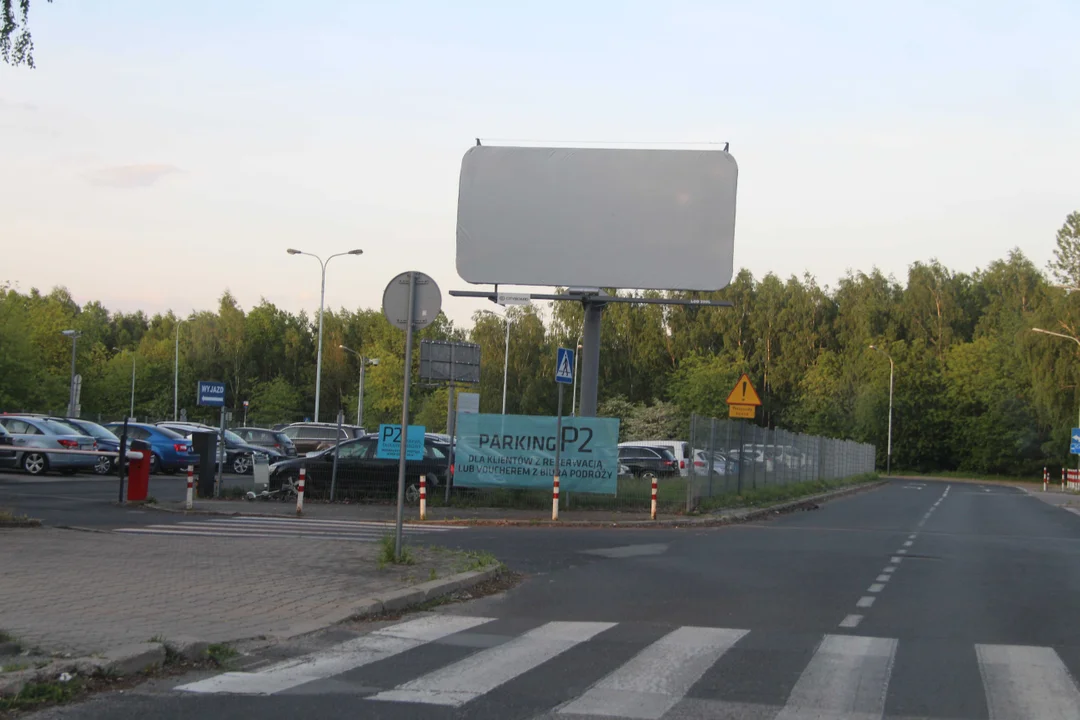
[451,428]
[337,445]
[558,457]
[404,417]
[742,452]
[220,454]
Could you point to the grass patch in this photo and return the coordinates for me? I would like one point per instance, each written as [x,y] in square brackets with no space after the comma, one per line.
[37,694]
[6,637]
[477,560]
[151,500]
[1055,475]
[8,517]
[757,497]
[386,552]
[233,493]
[14,667]
[221,654]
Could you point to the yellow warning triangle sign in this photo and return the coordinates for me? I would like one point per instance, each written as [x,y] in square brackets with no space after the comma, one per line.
[744,393]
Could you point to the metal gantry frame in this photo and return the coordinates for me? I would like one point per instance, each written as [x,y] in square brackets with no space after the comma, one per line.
[594,300]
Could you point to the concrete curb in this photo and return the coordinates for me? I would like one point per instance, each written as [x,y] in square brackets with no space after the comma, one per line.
[122,660]
[143,657]
[721,517]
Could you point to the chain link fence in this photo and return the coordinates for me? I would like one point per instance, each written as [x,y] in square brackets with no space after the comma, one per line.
[730,457]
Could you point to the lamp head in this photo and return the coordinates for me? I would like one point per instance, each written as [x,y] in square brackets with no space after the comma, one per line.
[293,251]
[356,252]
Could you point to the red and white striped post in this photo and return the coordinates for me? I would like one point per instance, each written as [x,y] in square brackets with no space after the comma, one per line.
[1062,479]
[423,497]
[555,499]
[1046,478]
[190,487]
[300,492]
[653,513]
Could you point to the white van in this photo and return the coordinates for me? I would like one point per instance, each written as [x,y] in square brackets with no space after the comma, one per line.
[679,448]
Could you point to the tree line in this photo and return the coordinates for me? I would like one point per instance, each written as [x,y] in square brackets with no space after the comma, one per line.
[976,389]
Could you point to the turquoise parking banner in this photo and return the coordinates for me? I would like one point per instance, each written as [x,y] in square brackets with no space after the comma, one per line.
[518,451]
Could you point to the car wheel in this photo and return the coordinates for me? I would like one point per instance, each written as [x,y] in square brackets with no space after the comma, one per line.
[35,463]
[648,475]
[241,464]
[155,464]
[412,493]
[104,465]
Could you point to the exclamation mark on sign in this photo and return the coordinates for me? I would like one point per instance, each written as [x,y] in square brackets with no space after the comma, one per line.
[744,390]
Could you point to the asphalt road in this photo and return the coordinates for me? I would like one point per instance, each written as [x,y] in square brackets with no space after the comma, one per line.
[916,600]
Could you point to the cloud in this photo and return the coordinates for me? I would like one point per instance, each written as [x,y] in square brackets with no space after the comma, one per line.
[131,176]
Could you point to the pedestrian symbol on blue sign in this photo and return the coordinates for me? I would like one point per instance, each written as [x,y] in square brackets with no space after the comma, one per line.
[564,366]
[1074,444]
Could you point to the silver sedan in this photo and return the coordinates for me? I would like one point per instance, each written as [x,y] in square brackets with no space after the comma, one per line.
[32,437]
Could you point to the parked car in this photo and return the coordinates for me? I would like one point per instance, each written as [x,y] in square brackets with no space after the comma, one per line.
[309,437]
[8,458]
[238,454]
[648,462]
[273,439]
[106,441]
[361,474]
[169,451]
[721,465]
[32,436]
[680,450]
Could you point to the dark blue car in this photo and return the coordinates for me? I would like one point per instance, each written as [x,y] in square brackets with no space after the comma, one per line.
[106,441]
[171,450]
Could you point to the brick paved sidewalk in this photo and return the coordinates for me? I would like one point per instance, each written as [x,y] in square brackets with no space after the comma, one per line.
[85,592]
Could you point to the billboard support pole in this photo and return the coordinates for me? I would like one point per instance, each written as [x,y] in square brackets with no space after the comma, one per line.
[590,349]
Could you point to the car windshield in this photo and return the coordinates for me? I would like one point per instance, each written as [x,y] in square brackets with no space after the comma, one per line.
[95,430]
[59,428]
[232,437]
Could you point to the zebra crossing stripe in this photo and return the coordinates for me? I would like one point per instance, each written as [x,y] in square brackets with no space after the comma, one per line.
[845,680]
[655,679]
[374,646]
[476,675]
[1027,682]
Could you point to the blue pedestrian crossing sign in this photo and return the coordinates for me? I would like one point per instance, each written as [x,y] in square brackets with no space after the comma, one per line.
[1074,443]
[564,366]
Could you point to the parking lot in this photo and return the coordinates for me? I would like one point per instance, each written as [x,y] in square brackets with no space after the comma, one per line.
[85,499]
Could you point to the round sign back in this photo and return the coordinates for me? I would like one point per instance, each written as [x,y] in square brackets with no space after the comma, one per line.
[426,306]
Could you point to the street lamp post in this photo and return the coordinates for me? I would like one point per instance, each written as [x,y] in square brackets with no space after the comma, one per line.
[322,298]
[364,362]
[176,373]
[74,335]
[1065,337]
[892,371]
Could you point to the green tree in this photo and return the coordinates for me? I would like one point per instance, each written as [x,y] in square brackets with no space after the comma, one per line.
[16,44]
[1065,267]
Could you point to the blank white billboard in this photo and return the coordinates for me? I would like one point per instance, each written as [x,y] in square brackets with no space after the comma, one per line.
[597,217]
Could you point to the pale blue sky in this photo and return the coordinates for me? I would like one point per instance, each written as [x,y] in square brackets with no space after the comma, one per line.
[195,141]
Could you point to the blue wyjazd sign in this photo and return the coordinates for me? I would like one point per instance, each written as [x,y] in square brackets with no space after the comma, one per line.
[518,451]
[1074,443]
[211,393]
[389,447]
